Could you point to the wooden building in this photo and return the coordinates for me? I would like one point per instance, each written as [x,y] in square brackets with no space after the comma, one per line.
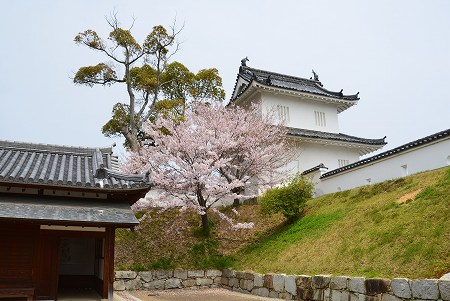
[59,208]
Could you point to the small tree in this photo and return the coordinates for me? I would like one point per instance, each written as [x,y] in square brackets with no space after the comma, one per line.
[156,85]
[288,200]
[190,159]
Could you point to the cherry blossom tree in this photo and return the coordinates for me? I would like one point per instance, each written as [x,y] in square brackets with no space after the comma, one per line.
[215,153]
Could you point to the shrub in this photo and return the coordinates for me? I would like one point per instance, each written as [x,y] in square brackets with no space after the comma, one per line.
[288,200]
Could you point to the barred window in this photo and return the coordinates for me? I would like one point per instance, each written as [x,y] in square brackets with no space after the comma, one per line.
[320,118]
[342,162]
[283,113]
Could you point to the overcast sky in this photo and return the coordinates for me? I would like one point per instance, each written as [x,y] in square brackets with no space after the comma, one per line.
[395,53]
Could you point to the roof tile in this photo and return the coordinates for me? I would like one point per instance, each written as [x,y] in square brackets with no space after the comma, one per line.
[63,165]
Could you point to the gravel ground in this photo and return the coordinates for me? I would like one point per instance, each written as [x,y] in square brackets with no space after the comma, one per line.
[196,295]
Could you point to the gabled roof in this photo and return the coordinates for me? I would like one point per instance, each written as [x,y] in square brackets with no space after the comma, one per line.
[405,147]
[65,166]
[250,76]
[334,136]
[317,167]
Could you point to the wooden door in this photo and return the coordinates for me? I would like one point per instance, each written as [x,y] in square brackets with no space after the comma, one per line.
[47,265]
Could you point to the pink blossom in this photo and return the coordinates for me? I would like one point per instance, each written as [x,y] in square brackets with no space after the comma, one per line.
[215,153]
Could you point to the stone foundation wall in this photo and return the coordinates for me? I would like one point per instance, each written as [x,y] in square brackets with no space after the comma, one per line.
[290,287]
[162,280]
[340,288]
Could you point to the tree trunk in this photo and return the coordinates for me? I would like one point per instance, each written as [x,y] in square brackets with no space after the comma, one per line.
[205,224]
[132,140]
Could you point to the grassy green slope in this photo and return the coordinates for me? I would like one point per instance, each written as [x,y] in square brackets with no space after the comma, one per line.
[378,230]
[398,228]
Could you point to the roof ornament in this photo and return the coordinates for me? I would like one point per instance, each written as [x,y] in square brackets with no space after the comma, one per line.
[316,77]
[244,62]
[268,80]
[340,93]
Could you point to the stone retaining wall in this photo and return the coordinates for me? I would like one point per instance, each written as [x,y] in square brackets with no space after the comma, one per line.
[290,287]
[162,280]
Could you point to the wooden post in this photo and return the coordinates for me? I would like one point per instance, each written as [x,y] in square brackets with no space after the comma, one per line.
[108,284]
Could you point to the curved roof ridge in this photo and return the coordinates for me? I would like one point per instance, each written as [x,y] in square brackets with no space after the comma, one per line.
[282,75]
[53,147]
[287,82]
[335,136]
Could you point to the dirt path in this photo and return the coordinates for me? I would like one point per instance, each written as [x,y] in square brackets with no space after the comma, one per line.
[196,295]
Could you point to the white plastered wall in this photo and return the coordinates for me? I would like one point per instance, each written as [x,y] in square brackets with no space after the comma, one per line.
[301,111]
[428,157]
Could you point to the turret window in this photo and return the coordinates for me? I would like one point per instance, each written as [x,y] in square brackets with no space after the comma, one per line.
[283,113]
[320,119]
[342,162]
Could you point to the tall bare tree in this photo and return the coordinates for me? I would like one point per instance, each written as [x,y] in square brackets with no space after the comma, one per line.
[153,83]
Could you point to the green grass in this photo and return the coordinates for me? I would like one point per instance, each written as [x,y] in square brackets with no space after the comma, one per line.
[399,228]
[365,231]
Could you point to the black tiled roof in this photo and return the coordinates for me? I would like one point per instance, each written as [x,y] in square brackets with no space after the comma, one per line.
[288,82]
[335,136]
[54,165]
[317,167]
[383,155]
[53,210]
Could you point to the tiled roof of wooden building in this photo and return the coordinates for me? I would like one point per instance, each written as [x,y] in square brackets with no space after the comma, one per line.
[64,166]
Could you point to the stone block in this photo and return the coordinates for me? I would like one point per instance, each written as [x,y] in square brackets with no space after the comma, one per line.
[356,284]
[426,289]
[373,298]
[401,288]
[172,283]
[228,273]
[289,285]
[273,294]
[303,281]
[204,281]
[155,284]
[125,274]
[163,274]
[278,282]
[146,276]
[240,274]
[225,281]
[180,274]
[196,274]
[285,296]
[187,283]
[389,297]
[246,284]
[213,273]
[320,281]
[304,294]
[217,280]
[258,280]
[338,282]
[353,297]
[341,296]
[239,290]
[119,285]
[133,284]
[318,294]
[327,294]
[249,276]
[260,291]
[234,282]
[268,281]
[376,286]
[444,289]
